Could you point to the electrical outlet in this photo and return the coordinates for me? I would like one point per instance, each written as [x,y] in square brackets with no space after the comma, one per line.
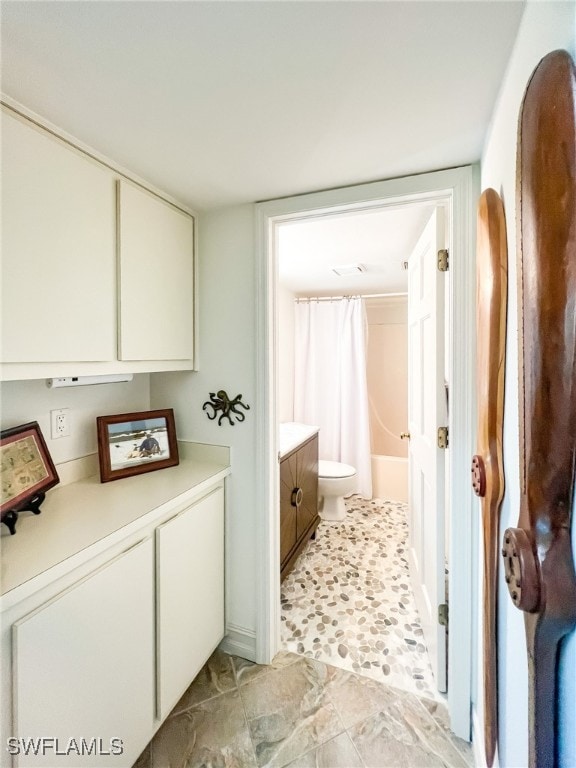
[60,423]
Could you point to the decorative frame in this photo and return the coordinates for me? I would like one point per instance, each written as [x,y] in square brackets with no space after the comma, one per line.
[27,471]
[136,456]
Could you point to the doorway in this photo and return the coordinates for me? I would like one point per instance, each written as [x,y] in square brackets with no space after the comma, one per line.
[458,187]
[364,593]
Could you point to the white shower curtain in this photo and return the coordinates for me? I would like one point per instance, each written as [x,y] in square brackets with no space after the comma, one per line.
[330,389]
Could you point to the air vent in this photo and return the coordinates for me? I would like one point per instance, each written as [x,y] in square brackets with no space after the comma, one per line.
[349,269]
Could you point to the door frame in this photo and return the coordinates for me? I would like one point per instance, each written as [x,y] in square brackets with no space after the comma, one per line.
[459,187]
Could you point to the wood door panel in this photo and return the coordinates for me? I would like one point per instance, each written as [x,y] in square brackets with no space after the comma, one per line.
[298,501]
[537,554]
[308,477]
[288,475]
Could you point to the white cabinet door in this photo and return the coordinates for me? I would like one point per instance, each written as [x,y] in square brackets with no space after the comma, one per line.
[84,667]
[58,250]
[190,595]
[156,271]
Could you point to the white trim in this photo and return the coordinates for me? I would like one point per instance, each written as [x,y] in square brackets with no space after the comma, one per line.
[460,186]
[478,752]
[239,641]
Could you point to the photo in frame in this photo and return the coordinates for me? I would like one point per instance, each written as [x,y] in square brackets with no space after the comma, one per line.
[133,443]
[27,471]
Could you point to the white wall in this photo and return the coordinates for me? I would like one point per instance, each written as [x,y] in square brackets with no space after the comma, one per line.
[546,26]
[387,374]
[24,401]
[285,351]
[226,361]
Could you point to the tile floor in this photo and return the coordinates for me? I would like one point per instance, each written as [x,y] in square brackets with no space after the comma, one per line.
[348,601]
[300,713]
[358,692]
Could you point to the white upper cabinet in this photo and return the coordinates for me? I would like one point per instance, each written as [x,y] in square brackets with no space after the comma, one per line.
[156,277]
[58,238]
[97,268]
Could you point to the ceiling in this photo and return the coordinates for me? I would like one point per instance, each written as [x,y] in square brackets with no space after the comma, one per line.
[221,103]
[380,240]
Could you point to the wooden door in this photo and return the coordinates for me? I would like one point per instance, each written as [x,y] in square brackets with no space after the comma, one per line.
[298,502]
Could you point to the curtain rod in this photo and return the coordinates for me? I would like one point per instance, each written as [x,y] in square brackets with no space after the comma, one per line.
[357,296]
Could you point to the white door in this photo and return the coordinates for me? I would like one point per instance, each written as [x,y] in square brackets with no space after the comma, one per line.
[426,413]
[189,594]
[84,668]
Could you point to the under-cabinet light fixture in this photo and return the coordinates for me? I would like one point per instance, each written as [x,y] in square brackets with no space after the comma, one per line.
[80,381]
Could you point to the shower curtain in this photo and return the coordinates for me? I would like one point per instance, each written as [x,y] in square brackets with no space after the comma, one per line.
[330,389]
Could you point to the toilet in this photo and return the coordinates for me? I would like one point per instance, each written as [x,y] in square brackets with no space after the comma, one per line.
[335,480]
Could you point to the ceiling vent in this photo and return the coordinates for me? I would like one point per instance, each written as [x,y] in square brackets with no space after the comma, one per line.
[349,269]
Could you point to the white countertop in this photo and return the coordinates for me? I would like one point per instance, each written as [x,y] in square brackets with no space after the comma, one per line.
[77,516]
[292,434]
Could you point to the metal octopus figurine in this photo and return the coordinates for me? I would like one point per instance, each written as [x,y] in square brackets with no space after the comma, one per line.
[221,403]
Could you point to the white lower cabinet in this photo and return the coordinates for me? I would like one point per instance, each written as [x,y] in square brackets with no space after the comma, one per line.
[190,595]
[92,665]
[83,670]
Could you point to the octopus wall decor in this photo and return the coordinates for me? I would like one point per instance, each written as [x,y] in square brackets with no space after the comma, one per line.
[221,404]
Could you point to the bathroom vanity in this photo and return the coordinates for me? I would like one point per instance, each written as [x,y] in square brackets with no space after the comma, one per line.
[299,518]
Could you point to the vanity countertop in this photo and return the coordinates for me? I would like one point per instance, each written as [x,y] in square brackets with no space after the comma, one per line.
[292,434]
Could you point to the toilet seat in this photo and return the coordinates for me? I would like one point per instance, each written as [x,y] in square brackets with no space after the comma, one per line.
[334,469]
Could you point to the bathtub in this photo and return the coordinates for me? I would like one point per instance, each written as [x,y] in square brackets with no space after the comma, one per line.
[390,478]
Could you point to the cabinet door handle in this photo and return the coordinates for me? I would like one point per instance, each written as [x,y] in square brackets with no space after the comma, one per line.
[297,496]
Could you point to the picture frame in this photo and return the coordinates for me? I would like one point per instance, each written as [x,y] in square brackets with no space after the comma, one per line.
[134,443]
[27,471]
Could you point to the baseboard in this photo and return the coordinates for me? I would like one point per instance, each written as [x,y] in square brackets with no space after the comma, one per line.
[239,641]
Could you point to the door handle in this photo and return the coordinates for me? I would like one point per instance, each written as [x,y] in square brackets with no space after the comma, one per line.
[404,435]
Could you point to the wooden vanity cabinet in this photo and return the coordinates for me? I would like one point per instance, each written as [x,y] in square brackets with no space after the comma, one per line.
[298,501]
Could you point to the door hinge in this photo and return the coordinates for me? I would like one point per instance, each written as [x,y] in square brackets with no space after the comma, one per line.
[443,260]
[442,437]
[443,614]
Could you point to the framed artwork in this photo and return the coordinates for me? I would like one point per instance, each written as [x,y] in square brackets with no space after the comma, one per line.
[27,471]
[132,443]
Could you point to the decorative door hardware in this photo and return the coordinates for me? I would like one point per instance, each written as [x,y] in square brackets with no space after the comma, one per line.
[297,496]
[443,614]
[404,435]
[487,466]
[443,437]
[538,553]
[443,260]
[221,403]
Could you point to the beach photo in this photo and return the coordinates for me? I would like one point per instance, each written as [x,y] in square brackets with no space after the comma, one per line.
[136,442]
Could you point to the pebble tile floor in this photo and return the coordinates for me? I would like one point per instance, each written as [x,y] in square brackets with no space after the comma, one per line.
[360,701]
[348,601]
